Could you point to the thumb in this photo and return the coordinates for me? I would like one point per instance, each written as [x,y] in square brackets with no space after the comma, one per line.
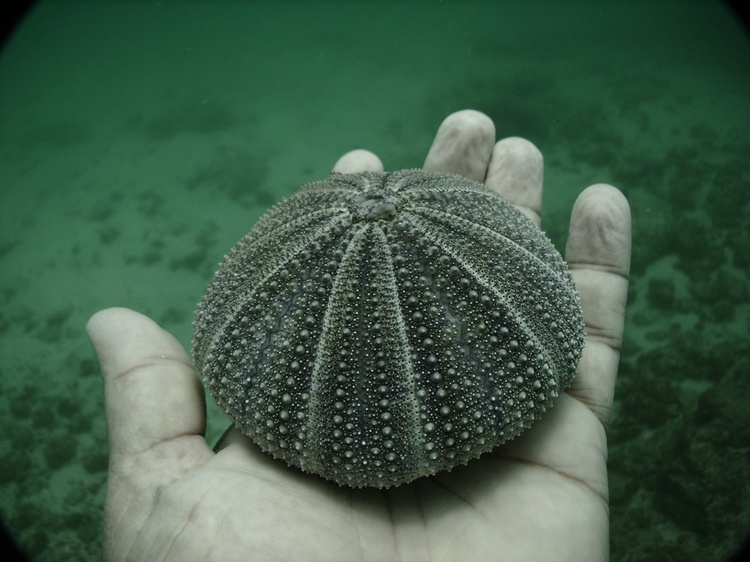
[151,392]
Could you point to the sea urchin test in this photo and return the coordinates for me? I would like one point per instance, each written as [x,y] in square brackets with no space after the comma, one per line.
[376,328]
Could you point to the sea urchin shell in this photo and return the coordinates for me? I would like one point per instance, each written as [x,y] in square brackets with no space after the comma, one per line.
[374,328]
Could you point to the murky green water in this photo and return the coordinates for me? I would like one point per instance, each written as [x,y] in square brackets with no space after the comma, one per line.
[140,140]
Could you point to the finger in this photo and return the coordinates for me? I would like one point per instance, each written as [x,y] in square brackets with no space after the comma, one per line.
[152,393]
[515,171]
[358,161]
[598,255]
[463,145]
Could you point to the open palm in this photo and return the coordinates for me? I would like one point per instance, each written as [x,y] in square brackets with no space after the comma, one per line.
[542,496]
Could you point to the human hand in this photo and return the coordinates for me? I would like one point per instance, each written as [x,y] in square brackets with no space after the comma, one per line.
[542,496]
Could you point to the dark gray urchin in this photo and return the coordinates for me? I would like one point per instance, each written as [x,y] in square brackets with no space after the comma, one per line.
[375,328]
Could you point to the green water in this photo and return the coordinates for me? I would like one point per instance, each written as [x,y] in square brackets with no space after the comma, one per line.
[140,140]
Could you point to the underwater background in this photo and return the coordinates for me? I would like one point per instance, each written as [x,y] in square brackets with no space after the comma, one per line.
[140,140]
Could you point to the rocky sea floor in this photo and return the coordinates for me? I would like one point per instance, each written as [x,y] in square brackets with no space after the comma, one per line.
[139,142]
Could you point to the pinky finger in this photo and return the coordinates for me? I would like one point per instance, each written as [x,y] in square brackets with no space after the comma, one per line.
[598,255]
